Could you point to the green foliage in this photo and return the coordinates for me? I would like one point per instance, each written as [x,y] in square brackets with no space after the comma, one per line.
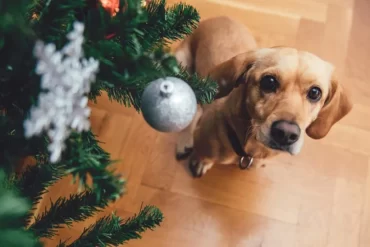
[94,161]
[13,209]
[113,231]
[52,19]
[135,56]
[65,211]
[204,88]
[203,94]
[35,180]
[132,49]
[138,54]
[171,24]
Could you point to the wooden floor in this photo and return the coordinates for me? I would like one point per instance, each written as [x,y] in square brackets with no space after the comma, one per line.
[321,198]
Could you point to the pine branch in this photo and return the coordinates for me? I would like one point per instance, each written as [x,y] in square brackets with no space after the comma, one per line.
[13,209]
[85,157]
[35,9]
[34,182]
[204,88]
[52,19]
[113,231]
[123,75]
[65,211]
[181,19]
[166,24]
[136,55]
[16,64]
[15,145]
[126,87]
[11,12]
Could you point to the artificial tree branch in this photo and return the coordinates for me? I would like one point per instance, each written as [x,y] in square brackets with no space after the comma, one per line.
[65,211]
[112,230]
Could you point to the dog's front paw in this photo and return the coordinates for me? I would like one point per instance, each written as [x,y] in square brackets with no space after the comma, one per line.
[184,153]
[184,146]
[199,168]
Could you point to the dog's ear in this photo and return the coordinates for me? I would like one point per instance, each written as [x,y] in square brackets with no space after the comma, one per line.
[337,105]
[232,73]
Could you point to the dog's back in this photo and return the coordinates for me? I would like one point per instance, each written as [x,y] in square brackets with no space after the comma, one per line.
[215,41]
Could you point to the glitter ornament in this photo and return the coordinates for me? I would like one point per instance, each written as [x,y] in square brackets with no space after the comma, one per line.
[168,104]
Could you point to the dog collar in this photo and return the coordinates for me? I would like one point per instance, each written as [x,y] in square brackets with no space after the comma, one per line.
[245,160]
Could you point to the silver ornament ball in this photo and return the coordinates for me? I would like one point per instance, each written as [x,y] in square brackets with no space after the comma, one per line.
[168,104]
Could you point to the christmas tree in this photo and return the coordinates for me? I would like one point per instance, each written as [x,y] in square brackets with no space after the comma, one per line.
[55,55]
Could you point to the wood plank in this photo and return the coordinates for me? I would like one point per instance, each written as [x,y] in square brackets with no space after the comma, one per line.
[338,26]
[202,223]
[134,162]
[358,59]
[342,136]
[341,3]
[238,193]
[346,215]
[161,172]
[312,10]
[365,219]
[310,36]
[270,22]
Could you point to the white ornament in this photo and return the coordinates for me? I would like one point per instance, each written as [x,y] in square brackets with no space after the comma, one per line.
[169,104]
[65,81]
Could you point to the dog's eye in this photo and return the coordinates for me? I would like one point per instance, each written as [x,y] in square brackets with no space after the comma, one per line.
[314,94]
[269,84]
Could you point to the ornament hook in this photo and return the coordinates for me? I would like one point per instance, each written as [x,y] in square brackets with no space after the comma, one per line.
[166,88]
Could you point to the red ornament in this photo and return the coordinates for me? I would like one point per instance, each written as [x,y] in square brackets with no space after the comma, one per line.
[111,6]
[110,36]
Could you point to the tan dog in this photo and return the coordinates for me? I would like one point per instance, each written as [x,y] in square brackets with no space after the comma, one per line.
[268,98]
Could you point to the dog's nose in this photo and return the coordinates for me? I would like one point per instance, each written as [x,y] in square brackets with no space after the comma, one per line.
[285,133]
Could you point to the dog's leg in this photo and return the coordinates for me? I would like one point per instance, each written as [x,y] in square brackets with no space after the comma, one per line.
[185,141]
[199,167]
[184,55]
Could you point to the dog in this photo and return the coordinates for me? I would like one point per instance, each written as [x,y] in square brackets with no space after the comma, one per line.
[267,98]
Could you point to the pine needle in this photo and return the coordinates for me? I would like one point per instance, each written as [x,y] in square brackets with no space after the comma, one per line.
[112,230]
[65,211]
[13,209]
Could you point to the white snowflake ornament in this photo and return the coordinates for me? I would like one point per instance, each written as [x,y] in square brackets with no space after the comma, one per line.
[66,78]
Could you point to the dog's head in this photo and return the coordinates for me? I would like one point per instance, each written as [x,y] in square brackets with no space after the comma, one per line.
[288,92]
